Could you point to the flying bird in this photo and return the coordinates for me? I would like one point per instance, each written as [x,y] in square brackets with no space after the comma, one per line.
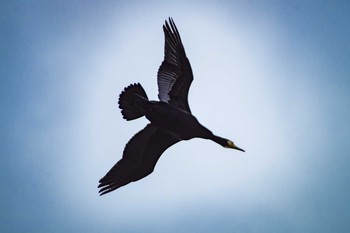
[170,118]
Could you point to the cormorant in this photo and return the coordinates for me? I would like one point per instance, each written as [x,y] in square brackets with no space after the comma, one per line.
[170,118]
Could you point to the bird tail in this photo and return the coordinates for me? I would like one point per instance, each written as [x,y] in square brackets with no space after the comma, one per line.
[132,101]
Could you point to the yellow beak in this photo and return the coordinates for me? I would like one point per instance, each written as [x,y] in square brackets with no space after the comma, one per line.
[230,144]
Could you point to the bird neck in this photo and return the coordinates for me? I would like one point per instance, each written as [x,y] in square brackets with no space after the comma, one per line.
[219,140]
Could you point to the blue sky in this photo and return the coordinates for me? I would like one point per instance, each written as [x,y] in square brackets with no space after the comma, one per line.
[273,76]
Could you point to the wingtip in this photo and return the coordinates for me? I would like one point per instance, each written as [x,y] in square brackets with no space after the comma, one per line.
[101,192]
[104,189]
[166,25]
[168,21]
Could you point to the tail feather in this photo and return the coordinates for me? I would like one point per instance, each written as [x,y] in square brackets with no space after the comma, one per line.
[131,102]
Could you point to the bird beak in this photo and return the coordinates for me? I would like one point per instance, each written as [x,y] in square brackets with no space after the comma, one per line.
[230,144]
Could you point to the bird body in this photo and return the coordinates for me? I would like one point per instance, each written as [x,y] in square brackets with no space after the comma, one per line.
[183,125]
[170,118]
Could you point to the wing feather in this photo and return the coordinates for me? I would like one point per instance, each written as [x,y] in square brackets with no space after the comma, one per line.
[175,73]
[140,156]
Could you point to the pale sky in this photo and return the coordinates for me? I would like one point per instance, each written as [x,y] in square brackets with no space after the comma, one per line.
[273,76]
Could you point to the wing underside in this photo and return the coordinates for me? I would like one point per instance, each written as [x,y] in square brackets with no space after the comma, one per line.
[139,158]
[175,73]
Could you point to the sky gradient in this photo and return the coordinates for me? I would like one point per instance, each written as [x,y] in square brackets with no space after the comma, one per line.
[273,76]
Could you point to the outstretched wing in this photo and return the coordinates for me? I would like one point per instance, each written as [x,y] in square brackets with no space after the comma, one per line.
[140,156]
[175,73]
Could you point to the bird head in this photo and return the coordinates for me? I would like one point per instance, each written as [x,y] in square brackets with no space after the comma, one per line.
[230,144]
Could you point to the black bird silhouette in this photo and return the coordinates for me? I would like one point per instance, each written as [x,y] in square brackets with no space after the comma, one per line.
[170,118]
